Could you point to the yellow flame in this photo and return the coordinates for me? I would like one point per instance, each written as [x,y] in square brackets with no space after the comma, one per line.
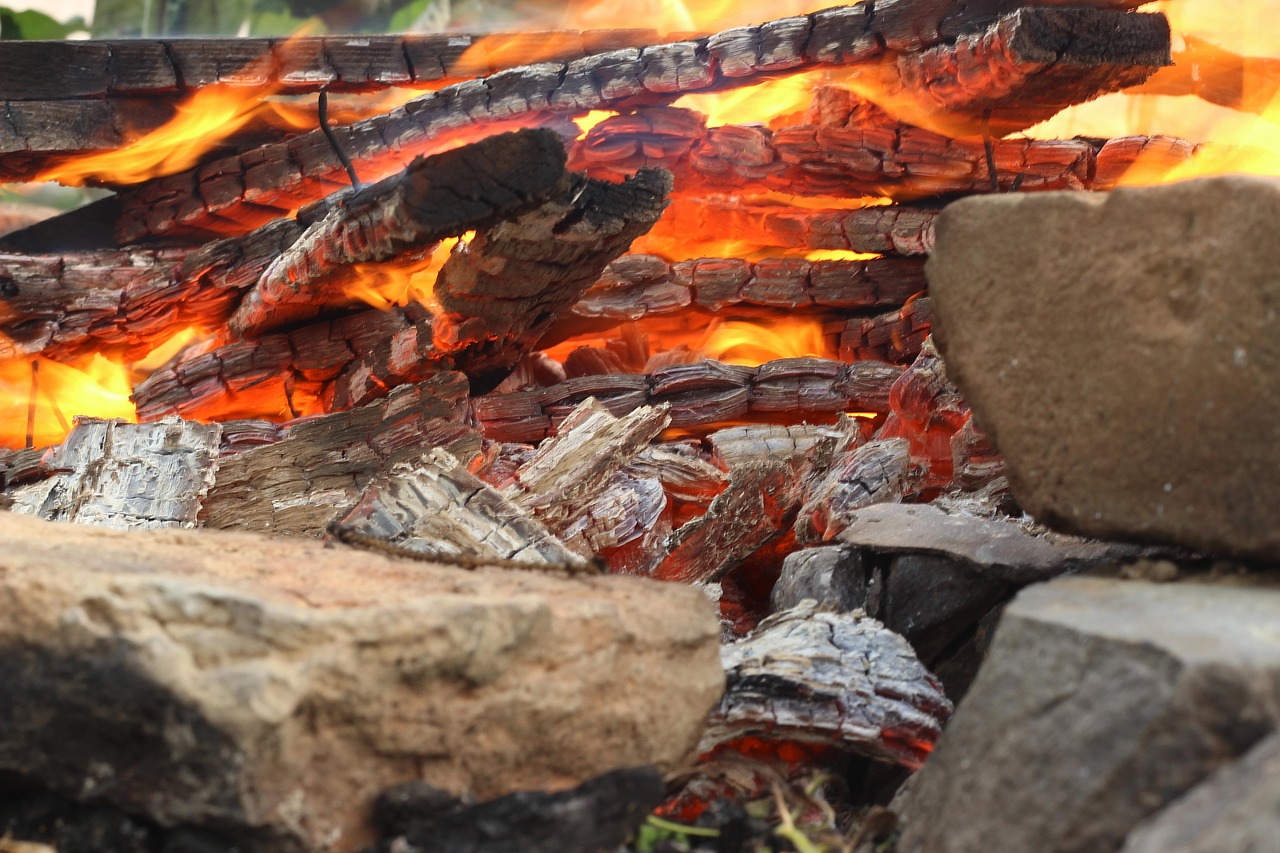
[391,284]
[747,343]
[839,255]
[591,119]
[763,103]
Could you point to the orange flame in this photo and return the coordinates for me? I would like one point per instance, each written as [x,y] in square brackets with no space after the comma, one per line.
[387,285]
[751,344]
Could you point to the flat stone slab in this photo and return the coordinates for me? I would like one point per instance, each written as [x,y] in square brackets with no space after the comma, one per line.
[270,689]
[1100,701]
[1120,351]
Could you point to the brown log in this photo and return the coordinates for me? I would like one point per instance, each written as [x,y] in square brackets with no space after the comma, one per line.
[434,506]
[552,254]
[125,476]
[892,230]
[320,466]
[703,393]
[1025,68]
[847,147]
[469,188]
[838,679]
[636,286]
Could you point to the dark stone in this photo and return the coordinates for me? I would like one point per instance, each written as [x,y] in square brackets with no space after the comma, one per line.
[933,601]
[1100,702]
[831,575]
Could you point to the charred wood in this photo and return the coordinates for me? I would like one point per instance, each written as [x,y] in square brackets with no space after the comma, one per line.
[877,472]
[636,286]
[436,507]
[319,466]
[895,336]
[126,476]
[469,188]
[1027,67]
[698,394]
[831,678]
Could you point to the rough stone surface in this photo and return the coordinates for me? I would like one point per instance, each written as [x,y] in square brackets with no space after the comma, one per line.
[1236,810]
[272,688]
[1000,549]
[1119,349]
[831,575]
[1100,701]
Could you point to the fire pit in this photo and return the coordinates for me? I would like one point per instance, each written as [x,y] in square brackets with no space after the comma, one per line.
[581,302]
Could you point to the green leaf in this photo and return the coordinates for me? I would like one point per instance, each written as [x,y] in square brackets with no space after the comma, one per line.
[406,15]
[32,25]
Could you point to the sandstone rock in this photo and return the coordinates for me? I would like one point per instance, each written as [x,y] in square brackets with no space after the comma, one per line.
[270,689]
[1120,351]
[1100,701]
[1236,810]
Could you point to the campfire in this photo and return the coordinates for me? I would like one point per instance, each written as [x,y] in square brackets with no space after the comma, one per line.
[610,300]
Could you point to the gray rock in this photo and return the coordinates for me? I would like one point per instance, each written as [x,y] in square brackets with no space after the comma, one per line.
[269,689]
[1100,701]
[1120,350]
[1236,810]
[831,575]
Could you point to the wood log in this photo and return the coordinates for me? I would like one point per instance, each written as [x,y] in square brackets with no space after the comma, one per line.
[124,302]
[698,394]
[895,336]
[1218,76]
[683,473]
[279,177]
[473,187]
[736,446]
[109,473]
[896,230]
[846,147]
[436,507]
[320,466]
[636,286]
[829,678]
[570,470]
[876,472]
[1025,68]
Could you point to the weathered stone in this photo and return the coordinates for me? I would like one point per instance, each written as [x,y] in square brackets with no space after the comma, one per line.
[271,688]
[999,549]
[1236,810]
[1100,701]
[830,575]
[1120,351]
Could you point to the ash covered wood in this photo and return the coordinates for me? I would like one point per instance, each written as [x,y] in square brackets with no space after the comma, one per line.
[877,472]
[832,678]
[319,466]
[434,506]
[701,393]
[636,286]
[473,187]
[127,476]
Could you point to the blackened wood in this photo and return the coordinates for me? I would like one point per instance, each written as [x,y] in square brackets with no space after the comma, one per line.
[896,336]
[636,286]
[469,188]
[1027,67]
[599,814]
[500,295]
[434,506]
[891,230]
[320,465]
[830,678]
[126,476]
[698,394]
[876,472]
[33,133]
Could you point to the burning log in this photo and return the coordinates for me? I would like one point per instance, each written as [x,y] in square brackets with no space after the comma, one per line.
[876,472]
[697,394]
[895,337]
[126,476]
[1027,67]
[555,252]
[896,230]
[437,508]
[320,466]
[637,286]
[830,678]
[469,188]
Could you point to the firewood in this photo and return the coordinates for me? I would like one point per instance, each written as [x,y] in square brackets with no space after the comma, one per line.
[698,394]
[554,253]
[319,466]
[876,472]
[435,507]
[280,176]
[895,336]
[684,475]
[736,446]
[1026,67]
[896,230]
[830,678]
[636,286]
[474,187]
[124,302]
[1217,76]
[847,146]
[109,473]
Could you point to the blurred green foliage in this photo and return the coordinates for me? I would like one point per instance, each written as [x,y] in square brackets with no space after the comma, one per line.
[33,25]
